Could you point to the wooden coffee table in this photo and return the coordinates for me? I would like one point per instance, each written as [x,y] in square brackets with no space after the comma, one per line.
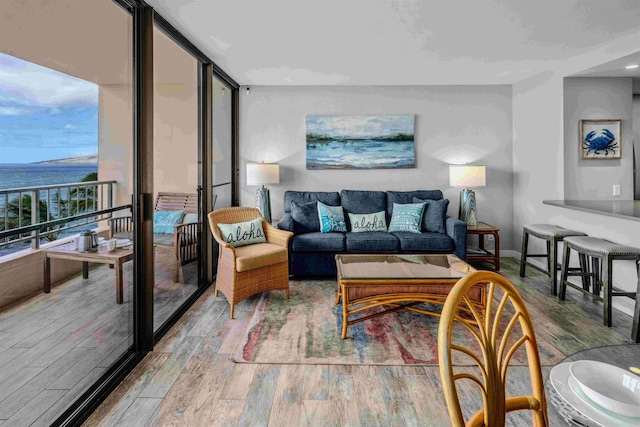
[399,282]
[102,256]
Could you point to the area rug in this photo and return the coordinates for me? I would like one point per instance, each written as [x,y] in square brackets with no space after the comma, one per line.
[306,329]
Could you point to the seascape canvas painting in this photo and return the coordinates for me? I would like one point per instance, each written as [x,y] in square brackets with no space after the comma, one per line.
[360,142]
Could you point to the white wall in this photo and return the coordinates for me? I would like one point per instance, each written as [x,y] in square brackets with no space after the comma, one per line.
[597,98]
[538,157]
[453,125]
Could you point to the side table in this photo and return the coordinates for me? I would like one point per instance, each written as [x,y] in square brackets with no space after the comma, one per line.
[481,253]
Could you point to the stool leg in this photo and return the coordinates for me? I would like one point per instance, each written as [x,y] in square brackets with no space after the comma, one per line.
[523,252]
[553,271]
[635,329]
[597,276]
[548,243]
[584,269]
[564,270]
[607,276]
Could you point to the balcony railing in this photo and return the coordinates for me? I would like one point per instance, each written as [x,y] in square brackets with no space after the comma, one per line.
[58,208]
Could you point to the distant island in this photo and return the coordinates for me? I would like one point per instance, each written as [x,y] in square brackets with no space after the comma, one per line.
[84,160]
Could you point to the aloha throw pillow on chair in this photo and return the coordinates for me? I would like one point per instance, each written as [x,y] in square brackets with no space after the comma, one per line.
[243,233]
[406,217]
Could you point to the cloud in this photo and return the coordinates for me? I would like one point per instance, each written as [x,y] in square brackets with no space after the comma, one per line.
[70,127]
[27,88]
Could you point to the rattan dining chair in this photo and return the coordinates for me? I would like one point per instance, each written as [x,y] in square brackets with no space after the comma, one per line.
[499,332]
[247,270]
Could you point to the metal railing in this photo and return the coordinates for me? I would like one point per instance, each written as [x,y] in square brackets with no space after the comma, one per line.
[57,208]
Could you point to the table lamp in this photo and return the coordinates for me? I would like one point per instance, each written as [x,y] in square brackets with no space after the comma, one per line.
[260,174]
[466,177]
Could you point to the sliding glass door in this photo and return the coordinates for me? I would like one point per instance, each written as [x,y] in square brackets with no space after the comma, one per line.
[66,125]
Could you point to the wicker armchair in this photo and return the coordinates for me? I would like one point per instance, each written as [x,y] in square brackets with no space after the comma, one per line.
[247,270]
[500,332]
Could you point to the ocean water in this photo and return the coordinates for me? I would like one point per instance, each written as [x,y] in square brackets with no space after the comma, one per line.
[35,175]
[360,154]
[31,175]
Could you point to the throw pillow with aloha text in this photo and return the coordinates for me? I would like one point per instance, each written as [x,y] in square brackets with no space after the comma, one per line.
[368,222]
[243,233]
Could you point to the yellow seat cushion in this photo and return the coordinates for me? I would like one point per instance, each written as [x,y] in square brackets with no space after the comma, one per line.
[259,255]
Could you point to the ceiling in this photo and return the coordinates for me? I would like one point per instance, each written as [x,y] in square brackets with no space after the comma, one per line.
[396,42]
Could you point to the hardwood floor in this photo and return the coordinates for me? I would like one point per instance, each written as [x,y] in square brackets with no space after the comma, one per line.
[190,380]
[53,346]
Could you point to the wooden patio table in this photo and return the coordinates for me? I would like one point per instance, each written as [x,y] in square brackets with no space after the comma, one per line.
[399,282]
[68,251]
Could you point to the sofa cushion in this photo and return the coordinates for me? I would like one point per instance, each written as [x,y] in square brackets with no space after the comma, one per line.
[406,217]
[363,202]
[368,222]
[424,242]
[331,218]
[404,197]
[317,242]
[371,241]
[305,217]
[329,198]
[435,214]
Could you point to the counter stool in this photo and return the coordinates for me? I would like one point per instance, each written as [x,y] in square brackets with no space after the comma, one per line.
[552,234]
[602,253]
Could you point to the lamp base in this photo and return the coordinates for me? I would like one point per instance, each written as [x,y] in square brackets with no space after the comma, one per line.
[263,203]
[468,211]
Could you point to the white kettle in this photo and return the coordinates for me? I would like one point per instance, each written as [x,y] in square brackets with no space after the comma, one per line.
[88,241]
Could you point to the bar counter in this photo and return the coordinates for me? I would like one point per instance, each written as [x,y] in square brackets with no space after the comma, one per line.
[625,209]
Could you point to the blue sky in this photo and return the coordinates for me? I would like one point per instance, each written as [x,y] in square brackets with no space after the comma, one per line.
[360,126]
[45,114]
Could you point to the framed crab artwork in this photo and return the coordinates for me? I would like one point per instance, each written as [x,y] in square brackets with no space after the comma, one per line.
[600,139]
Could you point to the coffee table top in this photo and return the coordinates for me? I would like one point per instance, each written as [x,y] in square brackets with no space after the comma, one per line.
[399,266]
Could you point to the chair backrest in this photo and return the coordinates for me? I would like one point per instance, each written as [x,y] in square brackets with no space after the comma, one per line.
[500,332]
[177,201]
[230,215]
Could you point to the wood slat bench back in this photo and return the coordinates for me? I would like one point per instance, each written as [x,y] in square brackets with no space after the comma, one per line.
[177,201]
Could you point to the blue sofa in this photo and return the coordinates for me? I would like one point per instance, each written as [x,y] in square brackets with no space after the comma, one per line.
[312,253]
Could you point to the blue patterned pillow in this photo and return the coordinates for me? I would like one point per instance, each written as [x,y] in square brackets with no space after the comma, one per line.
[368,222]
[406,217]
[331,218]
[434,215]
[165,221]
[243,233]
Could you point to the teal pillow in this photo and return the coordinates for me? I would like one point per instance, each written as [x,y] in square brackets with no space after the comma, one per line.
[165,221]
[331,218]
[243,233]
[368,222]
[189,218]
[406,217]
[435,215]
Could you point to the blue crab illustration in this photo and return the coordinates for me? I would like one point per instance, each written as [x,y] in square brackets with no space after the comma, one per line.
[605,142]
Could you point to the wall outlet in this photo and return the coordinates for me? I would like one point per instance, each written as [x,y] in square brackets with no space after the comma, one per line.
[490,237]
[616,189]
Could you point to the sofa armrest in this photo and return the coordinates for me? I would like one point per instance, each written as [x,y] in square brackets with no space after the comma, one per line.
[286,223]
[457,230]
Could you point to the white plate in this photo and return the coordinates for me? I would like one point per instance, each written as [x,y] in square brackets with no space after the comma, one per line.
[121,243]
[611,387]
[559,378]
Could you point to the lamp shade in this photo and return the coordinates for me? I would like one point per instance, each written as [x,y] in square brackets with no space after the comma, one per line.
[263,173]
[467,176]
